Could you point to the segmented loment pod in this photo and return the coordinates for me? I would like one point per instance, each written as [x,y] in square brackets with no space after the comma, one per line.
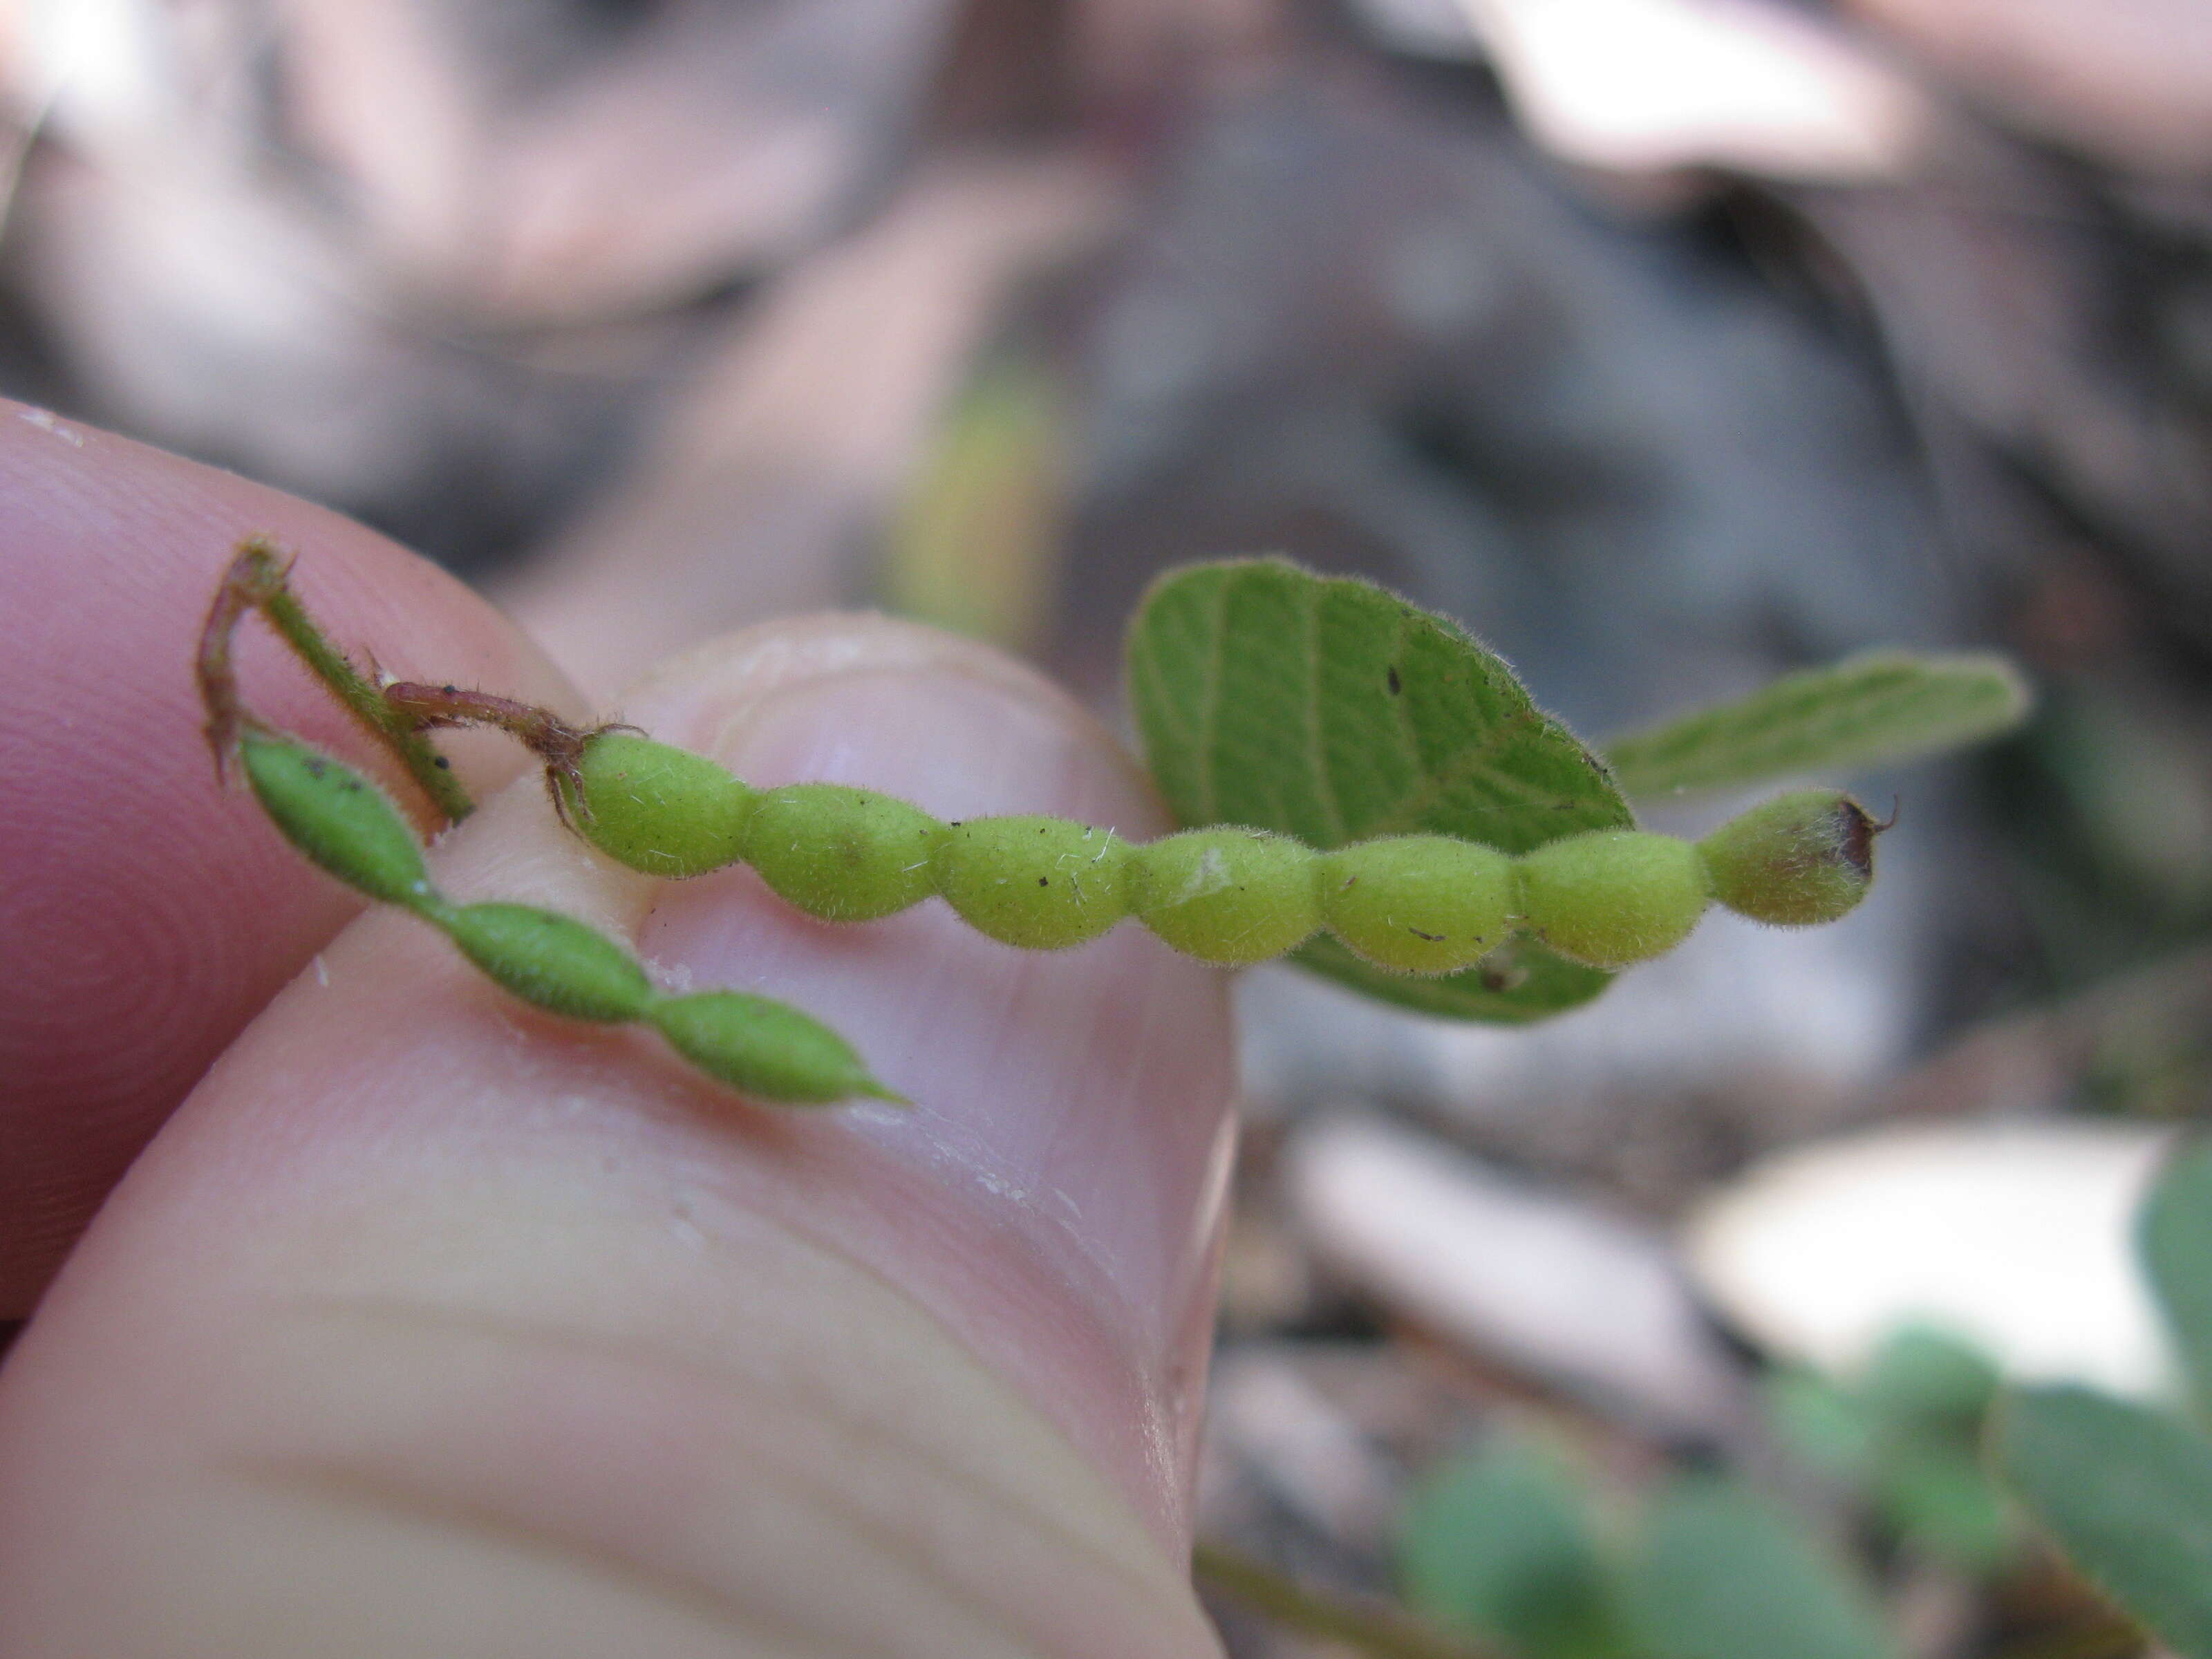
[1411,904]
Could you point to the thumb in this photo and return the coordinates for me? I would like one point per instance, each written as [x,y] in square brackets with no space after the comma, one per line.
[432,1326]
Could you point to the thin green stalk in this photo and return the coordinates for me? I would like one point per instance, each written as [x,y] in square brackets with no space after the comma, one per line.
[1382,1632]
[257,580]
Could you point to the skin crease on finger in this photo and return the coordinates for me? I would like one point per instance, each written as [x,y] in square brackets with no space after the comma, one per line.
[422,1289]
[145,914]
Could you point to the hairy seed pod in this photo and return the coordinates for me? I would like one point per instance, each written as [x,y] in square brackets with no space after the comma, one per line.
[659,809]
[1613,897]
[549,960]
[767,1049]
[1801,858]
[1043,883]
[841,854]
[338,818]
[1418,905]
[1231,897]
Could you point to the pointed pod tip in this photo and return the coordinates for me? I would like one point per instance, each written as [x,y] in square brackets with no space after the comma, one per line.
[1802,858]
[1854,830]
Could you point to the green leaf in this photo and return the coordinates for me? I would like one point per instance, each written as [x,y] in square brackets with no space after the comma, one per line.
[2173,1237]
[1855,713]
[1922,1378]
[1828,1428]
[1722,1574]
[1906,1438]
[2127,1492]
[1498,1543]
[1516,984]
[1935,1494]
[1329,709]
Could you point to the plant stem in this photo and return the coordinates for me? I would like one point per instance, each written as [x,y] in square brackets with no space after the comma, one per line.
[256,580]
[556,743]
[1380,1631]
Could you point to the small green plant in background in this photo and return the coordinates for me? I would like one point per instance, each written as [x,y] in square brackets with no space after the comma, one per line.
[1905,1438]
[2125,1489]
[1502,1543]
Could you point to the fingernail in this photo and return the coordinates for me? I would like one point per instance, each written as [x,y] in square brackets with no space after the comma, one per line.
[1077,1101]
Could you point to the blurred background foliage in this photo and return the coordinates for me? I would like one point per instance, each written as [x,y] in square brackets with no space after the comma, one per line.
[1668,343]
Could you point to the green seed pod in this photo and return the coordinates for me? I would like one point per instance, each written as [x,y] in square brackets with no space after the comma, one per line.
[1043,883]
[767,1049]
[1613,897]
[1419,904]
[1232,897]
[1800,858]
[841,854]
[659,809]
[338,818]
[551,960]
